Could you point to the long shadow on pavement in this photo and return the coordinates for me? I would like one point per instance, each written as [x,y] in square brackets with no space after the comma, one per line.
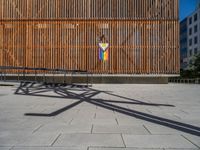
[87,96]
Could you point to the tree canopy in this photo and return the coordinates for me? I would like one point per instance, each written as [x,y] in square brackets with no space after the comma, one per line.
[194,72]
[196,65]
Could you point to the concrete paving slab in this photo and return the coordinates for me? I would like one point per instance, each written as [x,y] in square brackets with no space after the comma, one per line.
[64,128]
[183,149]
[11,138]
[100,148]
[5,148]
[131,121]
[78,140]
[34,131]
[108,121]
[128,129]
[156,141]
[85,116]
[158,129]
[39,139]
[48,148]
[193,139]
[102,115]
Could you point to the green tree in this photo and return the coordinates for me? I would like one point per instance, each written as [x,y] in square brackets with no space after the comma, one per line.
[194,71]
[187,74]
[196,65]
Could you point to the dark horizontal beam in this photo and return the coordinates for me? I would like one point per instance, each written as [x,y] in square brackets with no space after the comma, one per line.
[40,69]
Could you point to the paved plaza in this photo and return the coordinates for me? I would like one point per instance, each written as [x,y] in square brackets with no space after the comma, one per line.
[101,117]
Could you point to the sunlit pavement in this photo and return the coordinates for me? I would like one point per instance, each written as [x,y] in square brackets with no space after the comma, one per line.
[101,117]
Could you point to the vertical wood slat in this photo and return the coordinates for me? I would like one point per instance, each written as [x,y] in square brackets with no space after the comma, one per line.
[143,35]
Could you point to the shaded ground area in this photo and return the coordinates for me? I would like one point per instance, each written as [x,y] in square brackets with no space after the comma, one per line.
[101,117]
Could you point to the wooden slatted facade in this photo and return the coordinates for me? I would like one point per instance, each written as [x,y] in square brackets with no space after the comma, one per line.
[143,35]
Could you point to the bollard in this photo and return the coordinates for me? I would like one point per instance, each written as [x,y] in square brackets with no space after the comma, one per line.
[65,77]
[5,76]
[196,81]
[35,76]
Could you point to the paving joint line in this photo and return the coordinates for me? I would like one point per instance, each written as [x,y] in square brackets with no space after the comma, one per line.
[147,129]
[11,148]
[95,116]
[117,121]
[71,121]
[37,128]
[184,111]
[177,117]
[123,140]
[190,141]
[148,111]
[109,147]
[92,129]
[55,139]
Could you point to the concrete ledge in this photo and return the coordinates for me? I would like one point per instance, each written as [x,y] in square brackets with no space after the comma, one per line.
[131,80]
[90,79]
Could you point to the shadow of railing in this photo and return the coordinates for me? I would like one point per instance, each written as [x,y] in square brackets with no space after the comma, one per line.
[88,95]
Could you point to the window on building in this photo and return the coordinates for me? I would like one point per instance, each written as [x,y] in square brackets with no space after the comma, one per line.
[195,51]
[190,20]
[195,17]
[195,28]
[181,60]
[195,40]
[185,53]
[190,31]
[190,52]
[190,42]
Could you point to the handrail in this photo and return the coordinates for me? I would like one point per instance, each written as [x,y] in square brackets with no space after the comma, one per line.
[42,69]
[185,80]
[53,71]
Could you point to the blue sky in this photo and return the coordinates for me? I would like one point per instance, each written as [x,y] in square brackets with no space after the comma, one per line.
[187,7]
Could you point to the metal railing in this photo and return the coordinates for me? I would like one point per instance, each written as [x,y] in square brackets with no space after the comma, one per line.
[185,81]
[23,73]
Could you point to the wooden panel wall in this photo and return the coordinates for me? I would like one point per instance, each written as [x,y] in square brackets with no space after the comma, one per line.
[143,35]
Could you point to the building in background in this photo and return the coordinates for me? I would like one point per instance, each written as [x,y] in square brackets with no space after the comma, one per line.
[183,43]
[142,35]
[190,38]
